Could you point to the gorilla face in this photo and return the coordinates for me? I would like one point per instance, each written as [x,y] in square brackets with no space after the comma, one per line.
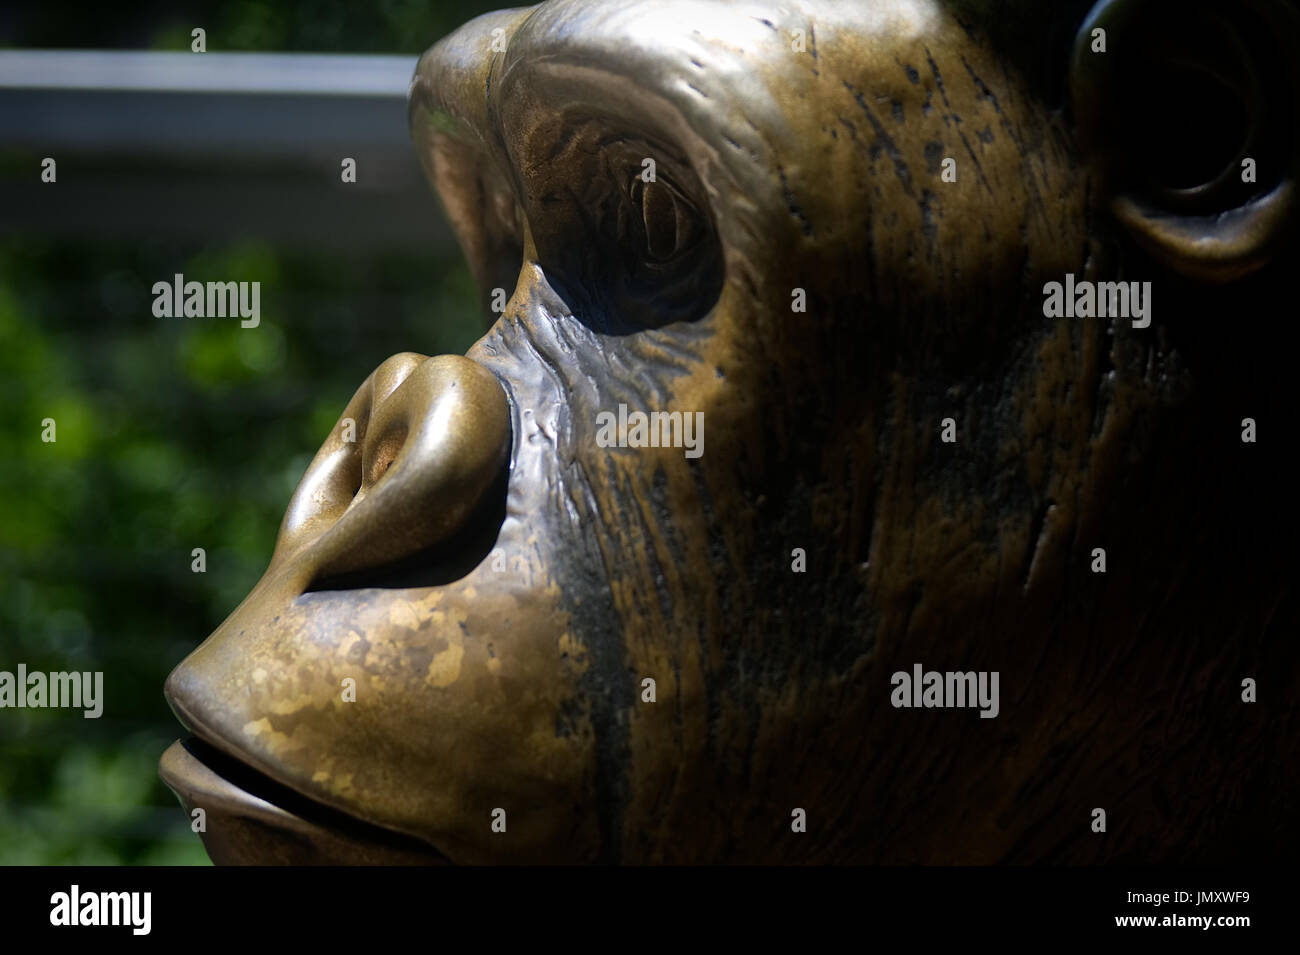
[821,229]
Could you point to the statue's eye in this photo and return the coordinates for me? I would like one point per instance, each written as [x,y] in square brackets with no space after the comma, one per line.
[669,225]
[620,223]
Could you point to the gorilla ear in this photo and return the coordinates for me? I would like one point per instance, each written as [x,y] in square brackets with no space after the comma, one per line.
[1191,109]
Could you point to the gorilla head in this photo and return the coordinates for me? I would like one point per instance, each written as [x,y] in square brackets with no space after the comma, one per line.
[519,612]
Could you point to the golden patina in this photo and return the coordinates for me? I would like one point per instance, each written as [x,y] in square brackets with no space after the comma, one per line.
[854,212]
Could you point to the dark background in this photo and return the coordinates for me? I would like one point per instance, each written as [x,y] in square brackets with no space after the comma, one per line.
[179,433]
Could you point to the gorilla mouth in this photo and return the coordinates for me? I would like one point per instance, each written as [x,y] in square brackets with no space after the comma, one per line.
[250,819]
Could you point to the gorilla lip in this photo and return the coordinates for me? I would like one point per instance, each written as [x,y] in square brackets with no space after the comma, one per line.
[252,819]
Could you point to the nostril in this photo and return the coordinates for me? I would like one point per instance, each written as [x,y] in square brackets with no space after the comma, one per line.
[381,456]
[433,437]
[437,565]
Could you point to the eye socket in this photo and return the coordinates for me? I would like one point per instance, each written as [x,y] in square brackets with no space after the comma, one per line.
[1203,83]
[1177,106]
[619,224]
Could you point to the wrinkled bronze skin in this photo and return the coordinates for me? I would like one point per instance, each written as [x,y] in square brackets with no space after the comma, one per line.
[501,585]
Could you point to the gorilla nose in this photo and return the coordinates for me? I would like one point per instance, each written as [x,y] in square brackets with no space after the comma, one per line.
[414,453]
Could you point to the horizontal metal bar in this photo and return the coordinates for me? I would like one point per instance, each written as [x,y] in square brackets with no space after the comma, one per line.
[214,146]
[218,105]
[210,127]
[313,74]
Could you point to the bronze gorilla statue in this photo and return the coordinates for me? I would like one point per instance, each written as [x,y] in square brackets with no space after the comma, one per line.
[499,628]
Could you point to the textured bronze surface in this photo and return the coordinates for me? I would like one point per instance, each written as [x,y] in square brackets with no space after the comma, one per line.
[498,585]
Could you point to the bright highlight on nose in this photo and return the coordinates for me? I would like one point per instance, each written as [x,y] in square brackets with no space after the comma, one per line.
[415,451]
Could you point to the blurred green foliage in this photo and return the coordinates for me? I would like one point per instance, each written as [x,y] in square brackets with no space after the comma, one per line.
[171,434]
